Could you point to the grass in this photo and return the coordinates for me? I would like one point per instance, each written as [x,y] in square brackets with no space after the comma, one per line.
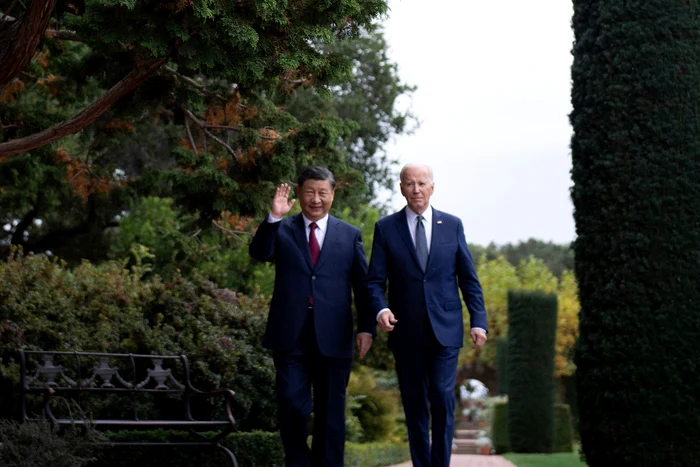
[545,460]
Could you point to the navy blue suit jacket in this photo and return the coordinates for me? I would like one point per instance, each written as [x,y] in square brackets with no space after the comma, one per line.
[413,292]
[342,266]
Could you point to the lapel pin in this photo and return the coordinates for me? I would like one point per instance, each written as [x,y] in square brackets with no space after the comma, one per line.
[439,222]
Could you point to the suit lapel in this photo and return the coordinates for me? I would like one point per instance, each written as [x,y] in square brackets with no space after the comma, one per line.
[402,227]
[328,240]
[302,242]
[435,237]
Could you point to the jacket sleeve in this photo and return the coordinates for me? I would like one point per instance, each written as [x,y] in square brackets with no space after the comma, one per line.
[469,283]
[377,279]
[365,320]
[264,242]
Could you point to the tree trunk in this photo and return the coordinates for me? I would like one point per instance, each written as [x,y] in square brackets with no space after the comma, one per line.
[19,38]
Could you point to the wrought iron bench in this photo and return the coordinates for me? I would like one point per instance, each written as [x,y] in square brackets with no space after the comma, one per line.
[78,375]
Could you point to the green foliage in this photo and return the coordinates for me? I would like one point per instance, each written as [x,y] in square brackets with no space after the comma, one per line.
[545,460]
[332,104]
[376,408]
[107,308]
[376,454]
[532,317]
[499,427]
[557,258]
[635,154]
[502,365]
[563,429]
[253,449]
[38,444]
[562,439]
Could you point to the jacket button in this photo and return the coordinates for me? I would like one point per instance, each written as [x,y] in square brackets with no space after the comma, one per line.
[425,281]
[313,278]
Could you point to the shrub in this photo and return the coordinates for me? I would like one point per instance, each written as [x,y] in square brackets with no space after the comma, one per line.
[375,408]
[636,194]
[532,321]
[499,427]
[37,444]
[563,429]
[45,305]
[502,365]
[254,449]
[376,454]
[562,440]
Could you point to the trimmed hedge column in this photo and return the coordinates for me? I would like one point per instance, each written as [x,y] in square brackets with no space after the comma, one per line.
[636,173]
[502,365]
[532,325]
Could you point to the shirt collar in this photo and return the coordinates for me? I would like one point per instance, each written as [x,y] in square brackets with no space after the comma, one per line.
[322,223]
[427,215]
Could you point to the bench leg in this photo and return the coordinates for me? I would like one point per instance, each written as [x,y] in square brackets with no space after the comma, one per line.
[230,454]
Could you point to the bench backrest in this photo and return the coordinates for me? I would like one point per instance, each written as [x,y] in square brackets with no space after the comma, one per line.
[75,373]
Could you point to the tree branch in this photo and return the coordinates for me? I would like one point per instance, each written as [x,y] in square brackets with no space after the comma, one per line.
[189,135]
[235,233]
[64,35]
[203,127]
[20,38]
[87,116]
[194,84]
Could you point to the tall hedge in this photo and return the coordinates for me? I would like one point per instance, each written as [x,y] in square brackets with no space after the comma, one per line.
[636,167]
[532,325]
[502,365]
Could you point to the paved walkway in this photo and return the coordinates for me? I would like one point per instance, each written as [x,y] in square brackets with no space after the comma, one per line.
[468,460]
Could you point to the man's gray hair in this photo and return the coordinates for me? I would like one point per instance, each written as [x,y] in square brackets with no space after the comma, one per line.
[412,165]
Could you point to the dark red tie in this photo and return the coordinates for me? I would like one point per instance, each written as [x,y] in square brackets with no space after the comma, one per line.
[313,244]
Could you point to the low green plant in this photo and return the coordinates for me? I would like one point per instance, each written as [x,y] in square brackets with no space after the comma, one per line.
[38,444]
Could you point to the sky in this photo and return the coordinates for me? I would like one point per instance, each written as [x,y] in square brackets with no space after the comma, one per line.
[493,100]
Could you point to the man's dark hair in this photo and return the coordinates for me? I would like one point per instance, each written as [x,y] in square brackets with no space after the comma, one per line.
[315,173]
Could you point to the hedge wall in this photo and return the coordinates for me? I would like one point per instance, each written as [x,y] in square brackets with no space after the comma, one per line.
[562,438]
[636,160]
[532,324]
[502,365]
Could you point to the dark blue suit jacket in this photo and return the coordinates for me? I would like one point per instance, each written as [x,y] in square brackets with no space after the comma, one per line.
[342,265]
[412,292]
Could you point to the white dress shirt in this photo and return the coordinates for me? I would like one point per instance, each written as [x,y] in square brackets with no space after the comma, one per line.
[321,227]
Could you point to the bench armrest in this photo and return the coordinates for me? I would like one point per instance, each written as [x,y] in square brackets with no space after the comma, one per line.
[227,394]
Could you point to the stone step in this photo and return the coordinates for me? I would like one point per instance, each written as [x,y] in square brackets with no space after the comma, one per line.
[467,434]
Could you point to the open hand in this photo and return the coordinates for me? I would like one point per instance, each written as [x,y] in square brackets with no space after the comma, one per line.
[280,203]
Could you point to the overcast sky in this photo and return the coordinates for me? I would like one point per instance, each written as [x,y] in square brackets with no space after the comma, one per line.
[493,99]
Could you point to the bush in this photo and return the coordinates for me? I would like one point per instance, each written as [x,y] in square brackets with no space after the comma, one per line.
[502,365]
[563,429]
[532,321]
[254,449]
[375,408]
[376,454]
[37,444]
[45,305]
[636,158]
[499,427]
[562,436]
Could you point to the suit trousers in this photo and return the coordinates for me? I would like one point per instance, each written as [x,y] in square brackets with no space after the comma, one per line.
[427,375]
[307,380]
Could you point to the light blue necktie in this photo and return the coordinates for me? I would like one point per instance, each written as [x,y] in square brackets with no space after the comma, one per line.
[421,244]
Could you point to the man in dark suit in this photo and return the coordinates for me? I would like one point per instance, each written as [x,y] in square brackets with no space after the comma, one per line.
[423,256]
[318,260]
